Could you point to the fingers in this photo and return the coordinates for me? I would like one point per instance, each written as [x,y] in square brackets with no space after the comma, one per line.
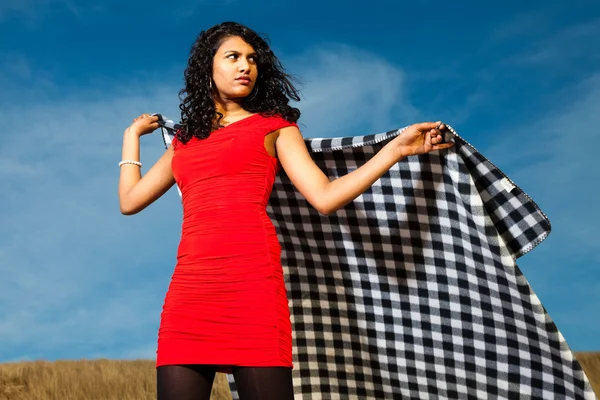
[432,131]
[433,135]
[426,126]
[152,118]
[146,123]
[436,135]
[442,146]
[145,115]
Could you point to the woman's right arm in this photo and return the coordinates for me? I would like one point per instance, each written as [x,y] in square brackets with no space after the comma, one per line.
[137,192]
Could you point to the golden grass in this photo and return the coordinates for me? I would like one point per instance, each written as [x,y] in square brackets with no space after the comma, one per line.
[130,380]
[590,362]
[87,379]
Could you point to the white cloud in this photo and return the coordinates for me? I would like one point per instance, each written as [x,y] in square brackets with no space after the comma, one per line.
[558,47]
[555,159]
[519,26]
[350,92]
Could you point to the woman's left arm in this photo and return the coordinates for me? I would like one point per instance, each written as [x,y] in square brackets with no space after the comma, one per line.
[328,196]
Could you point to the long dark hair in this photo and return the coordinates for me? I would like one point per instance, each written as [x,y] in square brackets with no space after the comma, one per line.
[270,96]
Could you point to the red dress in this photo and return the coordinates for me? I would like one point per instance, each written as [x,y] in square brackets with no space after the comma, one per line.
[227,304]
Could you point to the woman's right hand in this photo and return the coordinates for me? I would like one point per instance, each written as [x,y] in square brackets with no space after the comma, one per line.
[143,125]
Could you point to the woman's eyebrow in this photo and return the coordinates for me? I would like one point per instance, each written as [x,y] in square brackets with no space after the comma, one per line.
[239,52]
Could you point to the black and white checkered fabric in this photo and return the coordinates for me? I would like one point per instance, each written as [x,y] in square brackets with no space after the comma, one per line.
[412,290]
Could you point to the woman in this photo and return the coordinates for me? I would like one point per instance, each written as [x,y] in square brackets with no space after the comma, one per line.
[226,307]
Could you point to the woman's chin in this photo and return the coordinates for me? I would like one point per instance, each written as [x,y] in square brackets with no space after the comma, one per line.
[235,95]
[238,96]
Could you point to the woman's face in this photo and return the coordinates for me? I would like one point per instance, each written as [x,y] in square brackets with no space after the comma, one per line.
[234,69]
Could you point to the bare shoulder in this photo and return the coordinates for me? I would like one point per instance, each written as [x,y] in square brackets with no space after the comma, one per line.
[291,148]
[272,143]
[289,136]
[290,130]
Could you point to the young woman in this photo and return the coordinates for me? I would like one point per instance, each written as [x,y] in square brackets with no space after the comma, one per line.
[226,307]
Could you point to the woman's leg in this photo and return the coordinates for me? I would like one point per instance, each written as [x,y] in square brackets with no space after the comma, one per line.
[264,383]
[184,382]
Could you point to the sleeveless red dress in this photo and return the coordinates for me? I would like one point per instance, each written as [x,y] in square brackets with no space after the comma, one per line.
[226,304]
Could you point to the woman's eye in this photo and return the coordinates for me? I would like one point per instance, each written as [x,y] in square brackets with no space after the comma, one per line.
[232,56]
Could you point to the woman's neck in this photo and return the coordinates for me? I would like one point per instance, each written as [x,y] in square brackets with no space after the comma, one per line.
[231,108]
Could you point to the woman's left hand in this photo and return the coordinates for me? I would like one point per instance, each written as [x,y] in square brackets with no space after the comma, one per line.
[419,139]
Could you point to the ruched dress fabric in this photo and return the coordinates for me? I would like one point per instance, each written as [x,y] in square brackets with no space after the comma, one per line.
[226,304]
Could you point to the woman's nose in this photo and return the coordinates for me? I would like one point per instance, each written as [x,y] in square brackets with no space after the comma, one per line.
[243,65]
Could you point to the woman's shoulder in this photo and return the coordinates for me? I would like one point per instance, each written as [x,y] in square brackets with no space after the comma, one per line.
[276,121]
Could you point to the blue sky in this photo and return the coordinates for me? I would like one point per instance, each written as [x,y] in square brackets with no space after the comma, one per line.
[79,280]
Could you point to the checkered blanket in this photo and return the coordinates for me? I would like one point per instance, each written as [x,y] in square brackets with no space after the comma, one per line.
[412,290]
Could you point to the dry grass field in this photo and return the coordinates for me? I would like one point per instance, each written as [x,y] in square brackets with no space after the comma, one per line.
[87,380]
[128,380]
[590,362]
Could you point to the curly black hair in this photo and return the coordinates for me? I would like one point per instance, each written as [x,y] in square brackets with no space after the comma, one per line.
[270,96]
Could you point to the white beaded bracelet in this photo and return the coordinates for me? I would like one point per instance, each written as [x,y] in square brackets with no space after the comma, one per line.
[139,164]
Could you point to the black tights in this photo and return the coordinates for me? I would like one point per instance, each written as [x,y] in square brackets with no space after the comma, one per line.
[194,382]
